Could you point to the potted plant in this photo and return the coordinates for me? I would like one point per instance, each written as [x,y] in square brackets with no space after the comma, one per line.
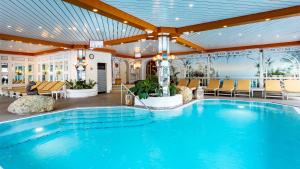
[81,88]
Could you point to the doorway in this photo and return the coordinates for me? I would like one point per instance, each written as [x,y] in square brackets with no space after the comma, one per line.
[101,78]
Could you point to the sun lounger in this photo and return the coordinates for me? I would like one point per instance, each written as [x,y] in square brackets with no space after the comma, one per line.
[227,88]
[291,87]
[183,82]
[273,89]
[243,88]
[212,87]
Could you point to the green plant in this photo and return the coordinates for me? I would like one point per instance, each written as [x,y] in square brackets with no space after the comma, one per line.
[80,84]
[172,89]
[143,88]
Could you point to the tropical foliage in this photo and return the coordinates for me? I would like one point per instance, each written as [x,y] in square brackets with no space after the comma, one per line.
[144,88]
[80,84]
[173,89]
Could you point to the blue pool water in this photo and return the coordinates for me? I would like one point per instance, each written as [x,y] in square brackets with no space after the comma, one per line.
[211,134]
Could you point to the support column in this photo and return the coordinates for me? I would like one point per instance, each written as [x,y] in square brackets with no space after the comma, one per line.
[163,65]
[261,68]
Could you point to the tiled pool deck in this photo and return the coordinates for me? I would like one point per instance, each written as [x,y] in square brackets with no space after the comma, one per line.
[114,100]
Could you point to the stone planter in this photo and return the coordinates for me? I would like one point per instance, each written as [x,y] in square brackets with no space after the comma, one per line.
[161,102]
[81,93]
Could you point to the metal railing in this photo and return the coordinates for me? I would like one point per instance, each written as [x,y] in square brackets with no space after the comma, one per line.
[130,92]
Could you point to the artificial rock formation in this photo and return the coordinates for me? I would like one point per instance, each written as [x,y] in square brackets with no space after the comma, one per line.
[31,105]
[187,93]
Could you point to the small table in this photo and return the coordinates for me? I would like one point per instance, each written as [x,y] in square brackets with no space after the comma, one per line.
[257,90]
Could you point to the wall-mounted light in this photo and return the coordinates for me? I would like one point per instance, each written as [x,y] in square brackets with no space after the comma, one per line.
[137,65]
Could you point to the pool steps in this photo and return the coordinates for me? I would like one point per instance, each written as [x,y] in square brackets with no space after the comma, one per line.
[21,131]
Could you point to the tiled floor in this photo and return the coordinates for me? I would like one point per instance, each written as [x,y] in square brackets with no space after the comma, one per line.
[114,100]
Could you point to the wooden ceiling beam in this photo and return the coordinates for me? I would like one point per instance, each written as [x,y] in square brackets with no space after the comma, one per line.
[33,41]
[241,20]
[109,11]
[190,44]
[48,51]
[16,53]
[271,45]
[126,40]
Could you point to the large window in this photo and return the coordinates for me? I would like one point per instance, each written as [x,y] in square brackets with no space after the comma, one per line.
[19,74]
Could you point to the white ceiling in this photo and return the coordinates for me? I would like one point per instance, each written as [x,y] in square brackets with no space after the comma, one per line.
[274,31]
[55,20]
[148,47]
[22,47]
[177,13]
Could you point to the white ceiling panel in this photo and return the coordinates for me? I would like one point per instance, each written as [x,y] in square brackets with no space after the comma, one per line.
[282,30]
[179,13]
[148,47]
[22,47]
[55,20]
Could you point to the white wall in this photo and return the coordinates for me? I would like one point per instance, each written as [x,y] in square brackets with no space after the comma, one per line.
[91,71]
[69,57]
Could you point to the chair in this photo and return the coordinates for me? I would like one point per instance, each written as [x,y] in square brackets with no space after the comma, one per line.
[273,89]
[39,86]
[194,84]
[243,88]
[182,82]
[47,87]
[212,87]
[291,87]
[42,85]
[227,88]
[56,89]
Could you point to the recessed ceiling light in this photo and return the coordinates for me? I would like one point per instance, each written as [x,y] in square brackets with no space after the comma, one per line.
[8,26]
[225,26]
[122,43]
[177,19]
[191,5]
[95,10]
[267,19]
[125,22]
[143,40]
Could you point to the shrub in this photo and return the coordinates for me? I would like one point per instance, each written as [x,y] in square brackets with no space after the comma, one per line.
[172,89]
[80,84]
[143,88]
